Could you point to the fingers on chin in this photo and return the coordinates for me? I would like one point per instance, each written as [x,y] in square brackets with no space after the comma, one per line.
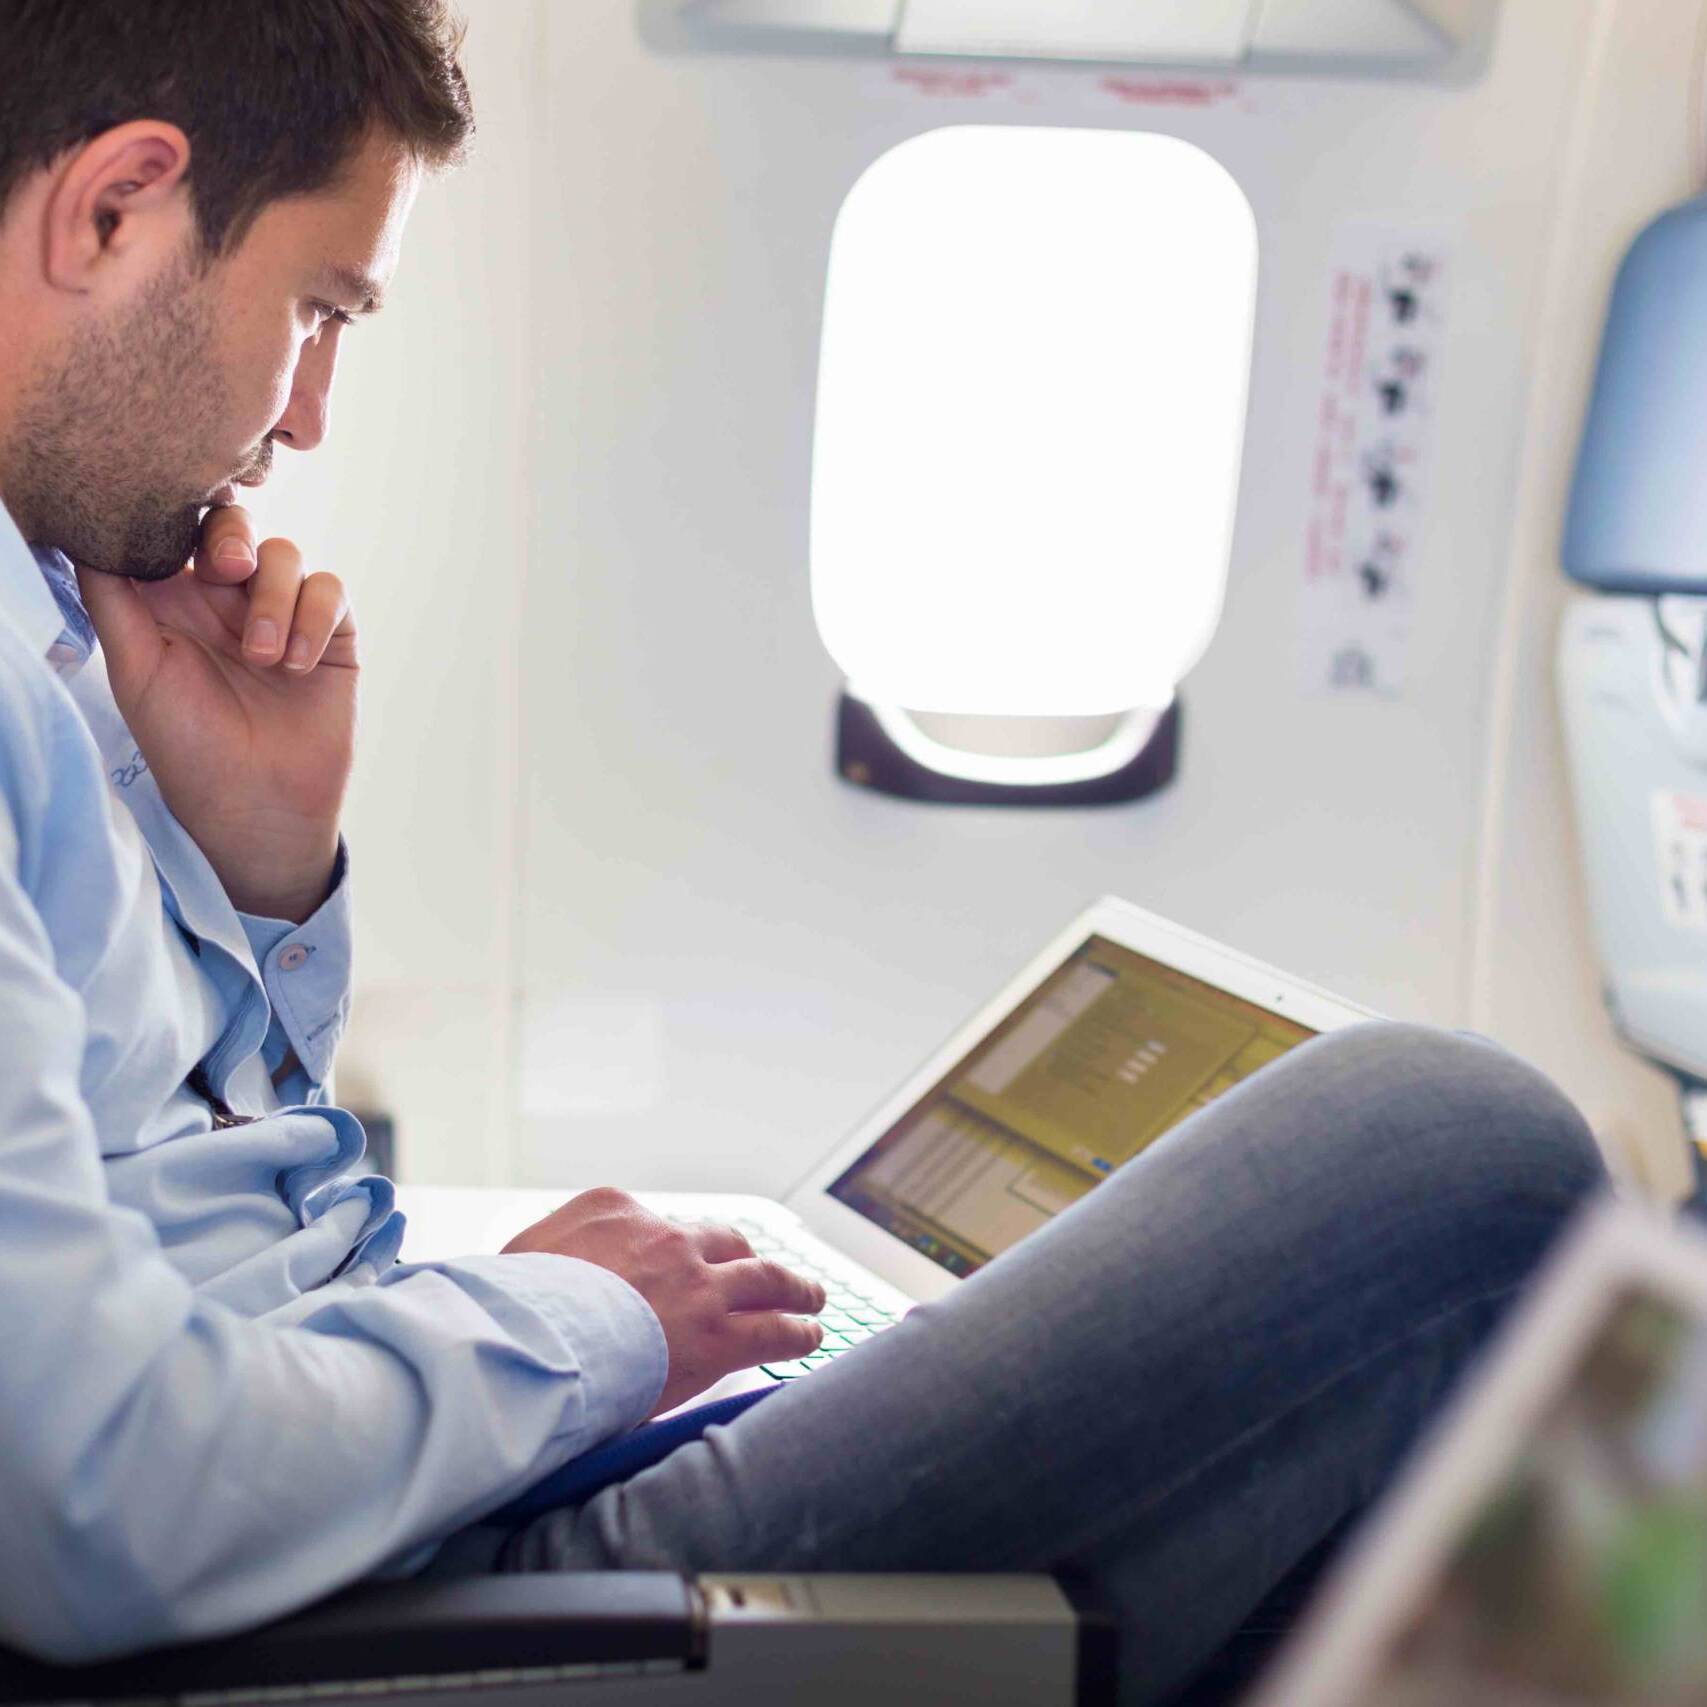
[320,608]
[223,525]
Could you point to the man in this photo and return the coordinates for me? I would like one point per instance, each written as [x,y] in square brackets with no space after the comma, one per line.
[222,1395]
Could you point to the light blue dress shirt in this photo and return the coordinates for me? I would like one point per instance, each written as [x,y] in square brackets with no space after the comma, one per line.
[221,1395]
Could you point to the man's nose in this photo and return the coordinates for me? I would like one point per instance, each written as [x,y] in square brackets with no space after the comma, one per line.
[303,424]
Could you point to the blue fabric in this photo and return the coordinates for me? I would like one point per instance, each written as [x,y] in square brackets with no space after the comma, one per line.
[78,636]
[1637,518]
[1184,1389]
[626,1456]
[221,1395]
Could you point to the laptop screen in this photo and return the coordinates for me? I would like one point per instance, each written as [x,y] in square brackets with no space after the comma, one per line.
[1111,1050]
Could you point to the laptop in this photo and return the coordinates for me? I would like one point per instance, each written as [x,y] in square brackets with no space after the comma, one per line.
[1118,1030]
[1547,1545]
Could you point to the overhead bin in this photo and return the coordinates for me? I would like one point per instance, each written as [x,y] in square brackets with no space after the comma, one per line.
[1078,29]
[1447,39]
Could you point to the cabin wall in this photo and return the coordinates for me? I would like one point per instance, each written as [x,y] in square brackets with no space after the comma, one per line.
[1636,146]
[729,955]
[419,498]
[619,920]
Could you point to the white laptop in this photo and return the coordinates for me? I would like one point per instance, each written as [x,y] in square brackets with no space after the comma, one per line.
[1547,1546]
[1121,1027]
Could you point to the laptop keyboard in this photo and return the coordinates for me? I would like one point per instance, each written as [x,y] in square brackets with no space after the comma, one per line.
[849,1317]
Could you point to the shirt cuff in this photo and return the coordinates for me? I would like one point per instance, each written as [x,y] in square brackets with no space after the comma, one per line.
[306,971]
[614,1340]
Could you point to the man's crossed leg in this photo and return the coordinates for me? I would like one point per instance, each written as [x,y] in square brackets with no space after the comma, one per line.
[1182,1387]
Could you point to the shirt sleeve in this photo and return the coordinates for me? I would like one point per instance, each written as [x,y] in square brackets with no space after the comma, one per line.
[306,971]
[171,1469]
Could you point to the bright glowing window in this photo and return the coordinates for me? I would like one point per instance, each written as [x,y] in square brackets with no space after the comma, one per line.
[1031,410]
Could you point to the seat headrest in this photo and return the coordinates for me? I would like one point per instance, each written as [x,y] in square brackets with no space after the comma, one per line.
[1638,512]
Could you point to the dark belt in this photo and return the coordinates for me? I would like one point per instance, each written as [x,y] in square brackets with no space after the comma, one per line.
[224,1115]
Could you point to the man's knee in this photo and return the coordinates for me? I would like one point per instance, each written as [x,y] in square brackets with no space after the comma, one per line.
[1456,1112]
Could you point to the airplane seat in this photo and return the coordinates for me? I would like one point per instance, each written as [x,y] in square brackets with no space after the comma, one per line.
[1632,661]
[630,1639]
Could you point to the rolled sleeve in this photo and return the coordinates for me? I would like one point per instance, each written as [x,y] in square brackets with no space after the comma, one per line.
[607,1332]
[306,971]
[172,1467]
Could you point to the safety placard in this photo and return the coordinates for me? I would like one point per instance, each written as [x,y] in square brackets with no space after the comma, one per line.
[1369,468]
[1680,847]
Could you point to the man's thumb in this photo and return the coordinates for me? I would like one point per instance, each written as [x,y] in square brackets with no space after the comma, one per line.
[125,626]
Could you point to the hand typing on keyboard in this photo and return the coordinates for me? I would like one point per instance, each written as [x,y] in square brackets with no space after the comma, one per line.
[721,1307]
[849,1316]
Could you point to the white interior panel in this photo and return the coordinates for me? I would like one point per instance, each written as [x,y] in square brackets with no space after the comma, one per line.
[858,17]
[684,834]
[1096,29]
[595,792]
[1372,28]
[1456,18]
[1535,979]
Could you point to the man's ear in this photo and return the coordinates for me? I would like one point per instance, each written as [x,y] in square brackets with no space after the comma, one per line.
[115,206]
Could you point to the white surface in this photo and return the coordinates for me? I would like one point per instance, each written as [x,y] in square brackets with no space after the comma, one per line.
[1098,29]
[1373,33]
[1680,857]
[1380,28]
[567,479]
[1030,412]
[457,1221]
[417,498]
[684,837]
[1534,977]
[862,16]
[1127,737]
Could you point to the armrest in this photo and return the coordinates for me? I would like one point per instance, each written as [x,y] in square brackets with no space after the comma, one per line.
[418,1629]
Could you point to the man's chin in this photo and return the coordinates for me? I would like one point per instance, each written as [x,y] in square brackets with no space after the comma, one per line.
[150,569]
[155,553]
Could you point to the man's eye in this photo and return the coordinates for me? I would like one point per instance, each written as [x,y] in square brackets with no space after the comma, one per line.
[327,312]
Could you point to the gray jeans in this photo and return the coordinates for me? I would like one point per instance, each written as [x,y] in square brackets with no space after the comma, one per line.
[1184,1388]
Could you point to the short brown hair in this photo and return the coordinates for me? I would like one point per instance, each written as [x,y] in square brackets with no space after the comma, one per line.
[274,95]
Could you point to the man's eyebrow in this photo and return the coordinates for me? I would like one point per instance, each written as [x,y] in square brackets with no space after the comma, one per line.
[353,282]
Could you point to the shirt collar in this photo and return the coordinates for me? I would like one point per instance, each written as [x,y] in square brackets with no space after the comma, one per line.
[38,591]
[25,596]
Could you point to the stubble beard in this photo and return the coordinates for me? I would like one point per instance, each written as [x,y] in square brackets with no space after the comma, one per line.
[95,464]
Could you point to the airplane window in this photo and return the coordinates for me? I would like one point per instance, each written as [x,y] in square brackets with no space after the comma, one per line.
[1030,419]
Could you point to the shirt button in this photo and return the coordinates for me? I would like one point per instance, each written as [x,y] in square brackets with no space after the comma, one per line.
[293,957]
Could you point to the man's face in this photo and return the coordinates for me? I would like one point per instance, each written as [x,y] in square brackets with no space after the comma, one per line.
[146,413]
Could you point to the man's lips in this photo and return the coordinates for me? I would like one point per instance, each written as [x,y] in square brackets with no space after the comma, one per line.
[227,494]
